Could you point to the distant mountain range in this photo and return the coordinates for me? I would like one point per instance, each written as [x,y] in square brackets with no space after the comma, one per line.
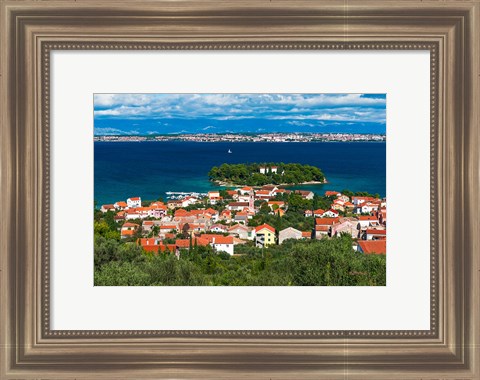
[182,126]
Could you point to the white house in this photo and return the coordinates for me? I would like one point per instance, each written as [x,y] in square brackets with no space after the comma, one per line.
[214,197]
[218,228]
[366,221]
[245,190]
[330,214]
[237,206]
[223,244]
[134,202]
[375,234]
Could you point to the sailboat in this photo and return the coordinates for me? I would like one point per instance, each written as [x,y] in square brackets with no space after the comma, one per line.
[229,151]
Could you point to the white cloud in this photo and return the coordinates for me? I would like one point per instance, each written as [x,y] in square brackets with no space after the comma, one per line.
[354,107]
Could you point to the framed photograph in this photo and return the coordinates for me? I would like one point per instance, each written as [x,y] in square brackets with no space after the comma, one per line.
[200,190]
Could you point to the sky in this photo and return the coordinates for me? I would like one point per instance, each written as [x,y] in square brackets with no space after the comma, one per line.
[238,113]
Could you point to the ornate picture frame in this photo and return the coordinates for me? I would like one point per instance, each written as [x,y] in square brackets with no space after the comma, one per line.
[32,30]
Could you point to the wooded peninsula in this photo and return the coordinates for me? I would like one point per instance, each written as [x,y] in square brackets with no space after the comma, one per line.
[259,174]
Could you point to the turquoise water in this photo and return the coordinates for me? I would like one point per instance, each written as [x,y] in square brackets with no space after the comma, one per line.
[150,169]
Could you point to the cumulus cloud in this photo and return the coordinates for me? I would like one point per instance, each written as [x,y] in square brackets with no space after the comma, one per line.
[342,107]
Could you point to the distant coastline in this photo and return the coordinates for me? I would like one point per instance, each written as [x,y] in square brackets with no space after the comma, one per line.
[248,137]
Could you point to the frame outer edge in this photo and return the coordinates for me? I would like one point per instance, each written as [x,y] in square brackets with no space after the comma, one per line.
[470,183]
[473,187]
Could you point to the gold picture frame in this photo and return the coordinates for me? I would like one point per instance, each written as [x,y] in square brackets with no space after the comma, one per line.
[32,29]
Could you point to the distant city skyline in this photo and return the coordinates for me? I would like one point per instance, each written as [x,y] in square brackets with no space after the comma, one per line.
[238,113]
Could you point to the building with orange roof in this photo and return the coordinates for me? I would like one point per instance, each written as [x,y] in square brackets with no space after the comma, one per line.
[365,221]
[106,208]
[120,205]
[265,236]
[368,247]
[375,234]
[306,234]
[223,244]
[128,230]
[237,206]
[331,193]
[330,213]
[134,202]
[323,226]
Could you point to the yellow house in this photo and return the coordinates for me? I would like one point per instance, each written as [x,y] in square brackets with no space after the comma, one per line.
[265,236]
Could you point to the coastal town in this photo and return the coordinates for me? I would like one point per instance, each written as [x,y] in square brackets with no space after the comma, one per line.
[247,137]
[229,218]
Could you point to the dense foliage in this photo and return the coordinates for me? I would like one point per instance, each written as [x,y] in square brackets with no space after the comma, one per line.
[327,262]
[249,174]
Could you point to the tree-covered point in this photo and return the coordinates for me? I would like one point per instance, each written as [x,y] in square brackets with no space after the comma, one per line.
[249,174]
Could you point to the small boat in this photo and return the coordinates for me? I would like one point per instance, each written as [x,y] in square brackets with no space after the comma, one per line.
[229,151]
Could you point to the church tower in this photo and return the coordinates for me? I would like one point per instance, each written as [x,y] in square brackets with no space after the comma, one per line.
[251,202]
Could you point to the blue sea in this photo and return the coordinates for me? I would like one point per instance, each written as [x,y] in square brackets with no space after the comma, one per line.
[150,169]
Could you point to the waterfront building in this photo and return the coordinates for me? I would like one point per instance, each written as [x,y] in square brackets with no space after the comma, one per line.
[134,202]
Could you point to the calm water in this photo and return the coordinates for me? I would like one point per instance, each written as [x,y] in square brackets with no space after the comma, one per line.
[149,169]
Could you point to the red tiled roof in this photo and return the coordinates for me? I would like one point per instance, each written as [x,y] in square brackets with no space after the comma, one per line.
[367,217]
[134,199]
[329,193]
[326,221]
[306,234]
[322,228]
[148,223]
[130,225]
[267,226]
[168,227]
[241,226]
[127,232]
[319,211]
[182,243]
[121,204]
[376,232]
[373,246]
[223,240]
[201,242]
[108,206]
[147,241]
[151,248]
[210,237]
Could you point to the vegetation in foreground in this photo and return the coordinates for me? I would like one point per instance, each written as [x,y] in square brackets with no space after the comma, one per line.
[327,262]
